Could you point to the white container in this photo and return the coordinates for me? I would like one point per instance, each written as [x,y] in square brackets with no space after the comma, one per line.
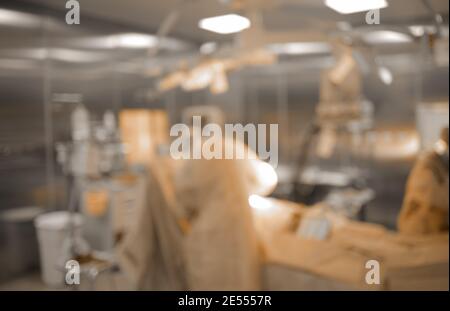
[52,232]
[431,119]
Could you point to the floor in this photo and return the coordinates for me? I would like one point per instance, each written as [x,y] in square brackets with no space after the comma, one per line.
[30,282]
[33,282]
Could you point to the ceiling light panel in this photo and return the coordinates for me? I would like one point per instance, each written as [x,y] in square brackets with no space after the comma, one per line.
[354,6]
[225,24]
[299,48]
[386,37]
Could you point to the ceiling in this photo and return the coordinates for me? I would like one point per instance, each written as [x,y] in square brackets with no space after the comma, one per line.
[277,14]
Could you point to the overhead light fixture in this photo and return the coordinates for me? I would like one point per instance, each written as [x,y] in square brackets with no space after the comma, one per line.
[75,56]
[354,6]
[67,98]
[386,37]
[130,41]
[18,19]
[260,203]
[135,41]
[265,180]
[59,54]
[225,24]
[298,48]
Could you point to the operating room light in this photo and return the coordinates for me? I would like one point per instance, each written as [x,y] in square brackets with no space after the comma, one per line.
[353,6]
[225,24]
[258,202]
[266,178]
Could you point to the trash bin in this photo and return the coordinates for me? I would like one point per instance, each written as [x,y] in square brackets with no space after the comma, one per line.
[18,243]
[52,231]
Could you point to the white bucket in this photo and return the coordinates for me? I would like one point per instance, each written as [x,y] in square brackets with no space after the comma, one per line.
[52,230]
